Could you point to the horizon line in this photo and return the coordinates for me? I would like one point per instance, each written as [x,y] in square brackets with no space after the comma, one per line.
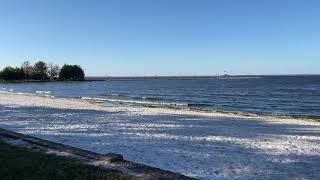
[158,76]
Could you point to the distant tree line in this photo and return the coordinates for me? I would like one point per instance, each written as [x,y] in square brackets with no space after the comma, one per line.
[42,71]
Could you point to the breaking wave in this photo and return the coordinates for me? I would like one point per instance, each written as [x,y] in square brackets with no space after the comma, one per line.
[197,107]
[43,92]
[138,102]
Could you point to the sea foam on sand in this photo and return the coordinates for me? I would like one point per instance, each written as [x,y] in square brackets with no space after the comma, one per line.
[205,145]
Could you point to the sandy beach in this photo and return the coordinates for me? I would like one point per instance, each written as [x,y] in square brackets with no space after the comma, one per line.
[204,145]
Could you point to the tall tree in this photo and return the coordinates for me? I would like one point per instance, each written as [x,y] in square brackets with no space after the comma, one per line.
[53,71]
[40,71]
[27,68]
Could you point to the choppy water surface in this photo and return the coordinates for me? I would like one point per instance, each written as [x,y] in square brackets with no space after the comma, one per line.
[197,146]
[269,95]
[205,147]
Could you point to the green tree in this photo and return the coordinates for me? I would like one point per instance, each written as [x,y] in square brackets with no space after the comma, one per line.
[71,72]
[9,74]
[20,73]
[40,71]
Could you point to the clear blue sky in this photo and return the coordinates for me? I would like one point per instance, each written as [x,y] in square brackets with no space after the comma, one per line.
[164,37]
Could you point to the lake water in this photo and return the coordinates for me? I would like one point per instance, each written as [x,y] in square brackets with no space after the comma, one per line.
[205,147]
[267,95]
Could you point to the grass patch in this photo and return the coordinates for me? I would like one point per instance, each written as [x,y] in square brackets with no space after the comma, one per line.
[20,163]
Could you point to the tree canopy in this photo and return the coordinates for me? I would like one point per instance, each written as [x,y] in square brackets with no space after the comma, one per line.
[71,72]
[9,73]
[41,71]
[53,71]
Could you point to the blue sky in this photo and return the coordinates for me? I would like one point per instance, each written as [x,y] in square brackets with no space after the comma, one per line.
[164,37]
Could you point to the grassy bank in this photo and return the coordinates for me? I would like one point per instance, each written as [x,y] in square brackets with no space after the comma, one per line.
[21,163]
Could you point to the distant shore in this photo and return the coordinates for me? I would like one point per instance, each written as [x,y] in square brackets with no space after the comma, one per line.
[106,78]
[103,78]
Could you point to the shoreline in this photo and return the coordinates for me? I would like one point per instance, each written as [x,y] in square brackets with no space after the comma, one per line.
[196,144]
[23,99]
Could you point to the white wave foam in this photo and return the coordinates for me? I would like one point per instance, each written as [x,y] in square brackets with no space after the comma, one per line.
[49,96]
[43,92]
[114,94]
[145,103]
[219,147]
[25,99]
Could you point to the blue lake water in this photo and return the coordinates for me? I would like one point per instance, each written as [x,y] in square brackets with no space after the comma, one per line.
[204,147]
[267,95]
